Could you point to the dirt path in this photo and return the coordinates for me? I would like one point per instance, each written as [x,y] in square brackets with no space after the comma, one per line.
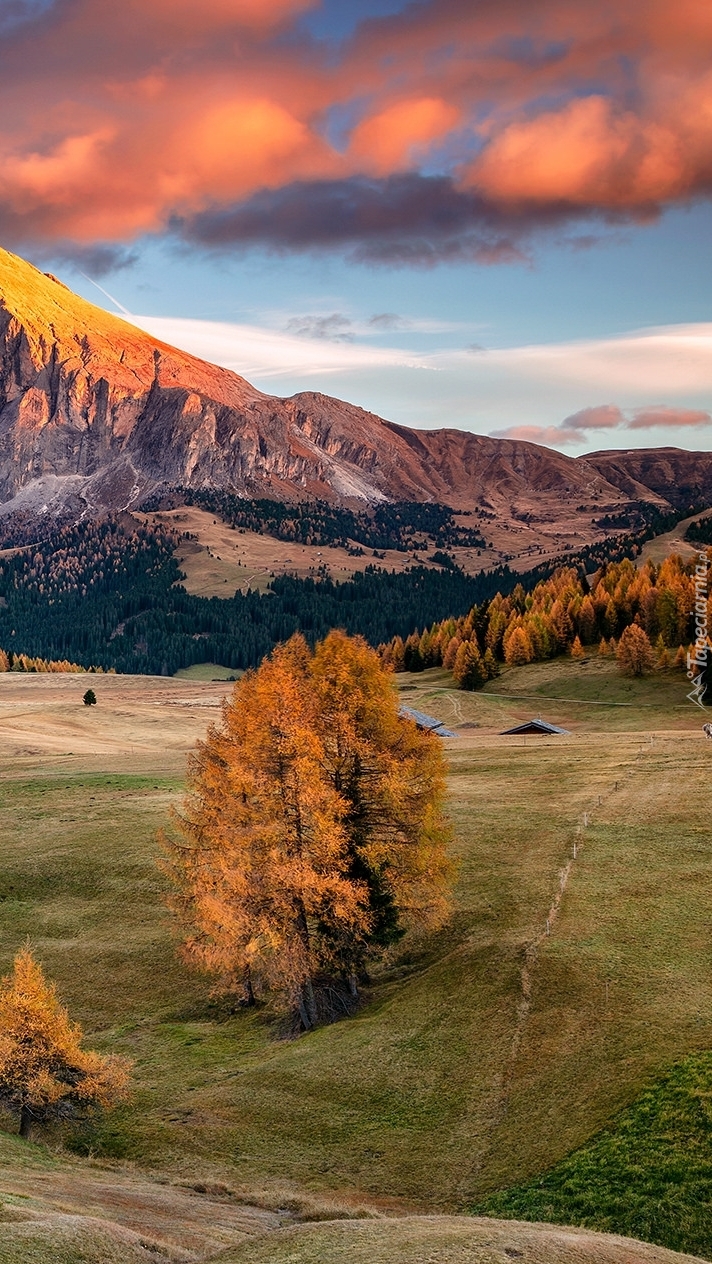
[530,948]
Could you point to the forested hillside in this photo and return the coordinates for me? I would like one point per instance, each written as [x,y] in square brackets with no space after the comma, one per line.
[109,595]
[562,614]
[385,526]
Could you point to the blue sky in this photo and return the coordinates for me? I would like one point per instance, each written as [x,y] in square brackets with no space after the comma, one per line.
[490,216]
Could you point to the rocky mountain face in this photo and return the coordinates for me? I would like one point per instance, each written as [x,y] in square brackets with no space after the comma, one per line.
[96,414]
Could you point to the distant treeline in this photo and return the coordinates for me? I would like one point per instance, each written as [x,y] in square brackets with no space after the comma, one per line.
[700,532]
[109,594]
[22,663]
[561,614]
[387,526]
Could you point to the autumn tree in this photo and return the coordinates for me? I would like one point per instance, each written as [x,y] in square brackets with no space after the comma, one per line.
[45,1073]
[635,653]
[468,670]
[391,776]
[312,833]
[518,648]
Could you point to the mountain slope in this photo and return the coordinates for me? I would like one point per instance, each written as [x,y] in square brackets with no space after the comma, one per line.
[95,414]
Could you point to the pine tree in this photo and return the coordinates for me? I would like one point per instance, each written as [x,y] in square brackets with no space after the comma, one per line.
[491,665]
[468,669]
[44,1071]
[577,650]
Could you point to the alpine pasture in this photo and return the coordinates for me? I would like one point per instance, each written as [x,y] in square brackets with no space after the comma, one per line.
[573,975]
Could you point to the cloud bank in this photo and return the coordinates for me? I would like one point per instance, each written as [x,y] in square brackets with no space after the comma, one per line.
[513,392]
[585,423]
[448,130]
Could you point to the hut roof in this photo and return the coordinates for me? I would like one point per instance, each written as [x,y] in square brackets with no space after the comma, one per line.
[535,726]
[427,722]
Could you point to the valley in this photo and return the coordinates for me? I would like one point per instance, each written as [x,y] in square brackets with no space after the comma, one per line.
[462,1076]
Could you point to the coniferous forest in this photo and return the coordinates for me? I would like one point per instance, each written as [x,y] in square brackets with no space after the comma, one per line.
[109,595]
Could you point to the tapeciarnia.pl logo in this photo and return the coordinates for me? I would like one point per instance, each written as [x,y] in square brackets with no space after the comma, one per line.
[698,657]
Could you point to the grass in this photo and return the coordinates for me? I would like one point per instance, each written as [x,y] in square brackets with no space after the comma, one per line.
[207,671]
[447,1240]
[648,1175]
[445,1088]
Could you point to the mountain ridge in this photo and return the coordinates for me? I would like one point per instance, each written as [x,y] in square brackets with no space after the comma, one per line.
[96,415]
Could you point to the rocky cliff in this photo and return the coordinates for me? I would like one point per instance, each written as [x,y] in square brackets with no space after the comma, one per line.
[96,414]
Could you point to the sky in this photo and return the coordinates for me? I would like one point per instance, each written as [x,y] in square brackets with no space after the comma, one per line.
[487,214]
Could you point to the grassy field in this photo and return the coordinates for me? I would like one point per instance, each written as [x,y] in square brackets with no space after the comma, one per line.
[649,1174]
[207,671]
[487,1054]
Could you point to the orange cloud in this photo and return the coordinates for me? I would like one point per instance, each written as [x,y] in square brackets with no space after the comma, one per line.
[115,119]
[238,145]
[394,138]
[584,154]
[257,14]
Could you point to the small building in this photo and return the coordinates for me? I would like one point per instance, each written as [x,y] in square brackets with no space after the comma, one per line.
[538,726]
[426,722]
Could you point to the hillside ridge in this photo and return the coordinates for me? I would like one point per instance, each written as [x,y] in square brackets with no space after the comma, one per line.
[96,415]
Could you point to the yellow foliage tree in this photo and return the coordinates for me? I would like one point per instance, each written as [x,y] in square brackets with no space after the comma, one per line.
[313,826]
[635,653]
[518,648]
[44,1072]
[391,776]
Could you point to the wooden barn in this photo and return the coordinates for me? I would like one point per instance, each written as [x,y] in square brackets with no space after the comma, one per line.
[538,727]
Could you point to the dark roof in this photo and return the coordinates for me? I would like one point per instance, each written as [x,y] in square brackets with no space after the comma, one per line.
[427,722]
[534,726]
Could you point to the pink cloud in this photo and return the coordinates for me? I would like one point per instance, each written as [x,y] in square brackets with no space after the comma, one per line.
[116,119]
[606,417]
[602,417]
[673,418]
[547,435]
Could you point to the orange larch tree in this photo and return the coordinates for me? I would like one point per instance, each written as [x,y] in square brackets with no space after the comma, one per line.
[45,1073]
[392,777]
[635,653]
[313,826]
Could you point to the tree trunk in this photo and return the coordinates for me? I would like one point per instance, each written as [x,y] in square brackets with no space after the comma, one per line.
[310,1003]
[307,1000]
[353,986]
[249,993]
[26,1122]
[303,1013]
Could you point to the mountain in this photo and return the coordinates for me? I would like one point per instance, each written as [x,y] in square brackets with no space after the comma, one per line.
[95,414]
